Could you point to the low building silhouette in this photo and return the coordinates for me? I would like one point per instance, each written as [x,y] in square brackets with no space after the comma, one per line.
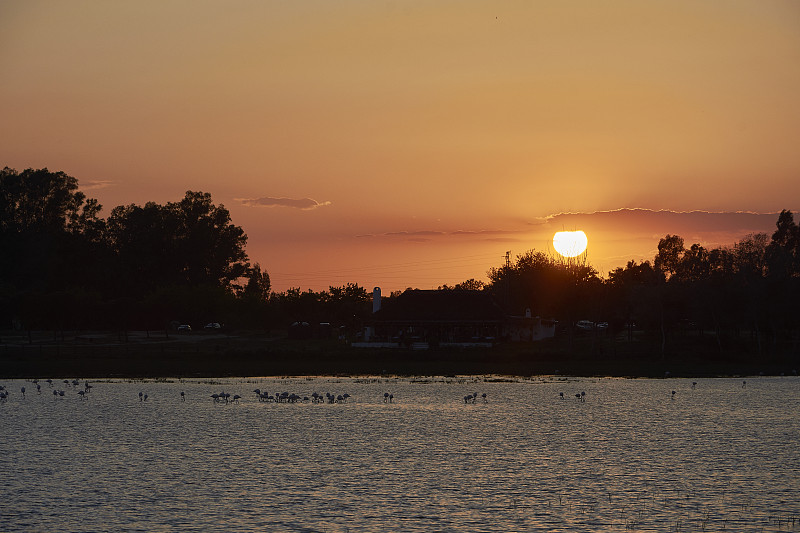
[421,319]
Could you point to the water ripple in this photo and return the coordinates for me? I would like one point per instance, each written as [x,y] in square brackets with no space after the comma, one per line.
[626,455]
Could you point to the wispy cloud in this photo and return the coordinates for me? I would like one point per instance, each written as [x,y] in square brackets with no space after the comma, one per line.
[96,184]
[495,235]
[422,233]
[294,203]
[482,232]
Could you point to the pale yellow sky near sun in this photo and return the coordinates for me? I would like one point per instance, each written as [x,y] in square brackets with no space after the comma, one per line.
[409,121]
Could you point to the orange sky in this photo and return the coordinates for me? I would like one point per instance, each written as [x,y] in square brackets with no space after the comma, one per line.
[401,143]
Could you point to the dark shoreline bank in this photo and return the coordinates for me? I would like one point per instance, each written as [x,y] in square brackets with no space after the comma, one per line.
[153,356]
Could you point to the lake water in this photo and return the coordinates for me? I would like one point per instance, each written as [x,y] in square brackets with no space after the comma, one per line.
[629,456]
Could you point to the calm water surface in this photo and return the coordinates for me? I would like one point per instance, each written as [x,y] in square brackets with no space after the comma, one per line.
[629,457]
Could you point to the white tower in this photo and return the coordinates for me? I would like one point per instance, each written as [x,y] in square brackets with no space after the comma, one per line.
[376,299]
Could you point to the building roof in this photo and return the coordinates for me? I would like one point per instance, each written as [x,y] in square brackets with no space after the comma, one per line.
[439,306]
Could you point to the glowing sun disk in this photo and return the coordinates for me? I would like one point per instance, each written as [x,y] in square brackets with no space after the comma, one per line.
[570,243]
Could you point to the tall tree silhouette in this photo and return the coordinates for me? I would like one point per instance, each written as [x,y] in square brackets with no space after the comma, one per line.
[191,242]
[46,227]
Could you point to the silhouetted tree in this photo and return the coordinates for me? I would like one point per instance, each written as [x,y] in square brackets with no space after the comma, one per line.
[670,253]
[46,226]
[549,287]
[50,242]
[38,200]
[191,242]
[783,280]
[471,284]
[212,248]
[783,252]
[348,306]
[633,290]
[258,284]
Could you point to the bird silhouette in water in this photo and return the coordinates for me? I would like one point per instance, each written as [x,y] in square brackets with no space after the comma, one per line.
[183,396]
[744,384]
[673,395]
[23,392]
[561,395]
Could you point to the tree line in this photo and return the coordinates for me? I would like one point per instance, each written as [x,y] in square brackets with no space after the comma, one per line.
[64,267]
[746,293]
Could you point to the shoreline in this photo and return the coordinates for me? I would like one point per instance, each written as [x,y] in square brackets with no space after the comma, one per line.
[148,355]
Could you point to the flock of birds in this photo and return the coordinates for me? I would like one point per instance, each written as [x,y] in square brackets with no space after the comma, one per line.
[262,396]
[75,384]
[286,397]
[581,396]
[470,398]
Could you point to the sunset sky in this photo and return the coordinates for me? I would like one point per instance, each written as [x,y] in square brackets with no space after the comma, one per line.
[413,143]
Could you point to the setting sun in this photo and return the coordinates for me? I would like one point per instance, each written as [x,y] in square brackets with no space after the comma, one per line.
[570,243]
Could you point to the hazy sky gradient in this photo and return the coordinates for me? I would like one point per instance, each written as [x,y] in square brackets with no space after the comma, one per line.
[412,143]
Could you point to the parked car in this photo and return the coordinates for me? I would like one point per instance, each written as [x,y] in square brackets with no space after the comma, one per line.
[212,326]
[184,328]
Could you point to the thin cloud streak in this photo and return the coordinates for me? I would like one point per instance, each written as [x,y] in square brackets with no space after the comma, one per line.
[96,184]
[304,204]
[489,235]
[422,233]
